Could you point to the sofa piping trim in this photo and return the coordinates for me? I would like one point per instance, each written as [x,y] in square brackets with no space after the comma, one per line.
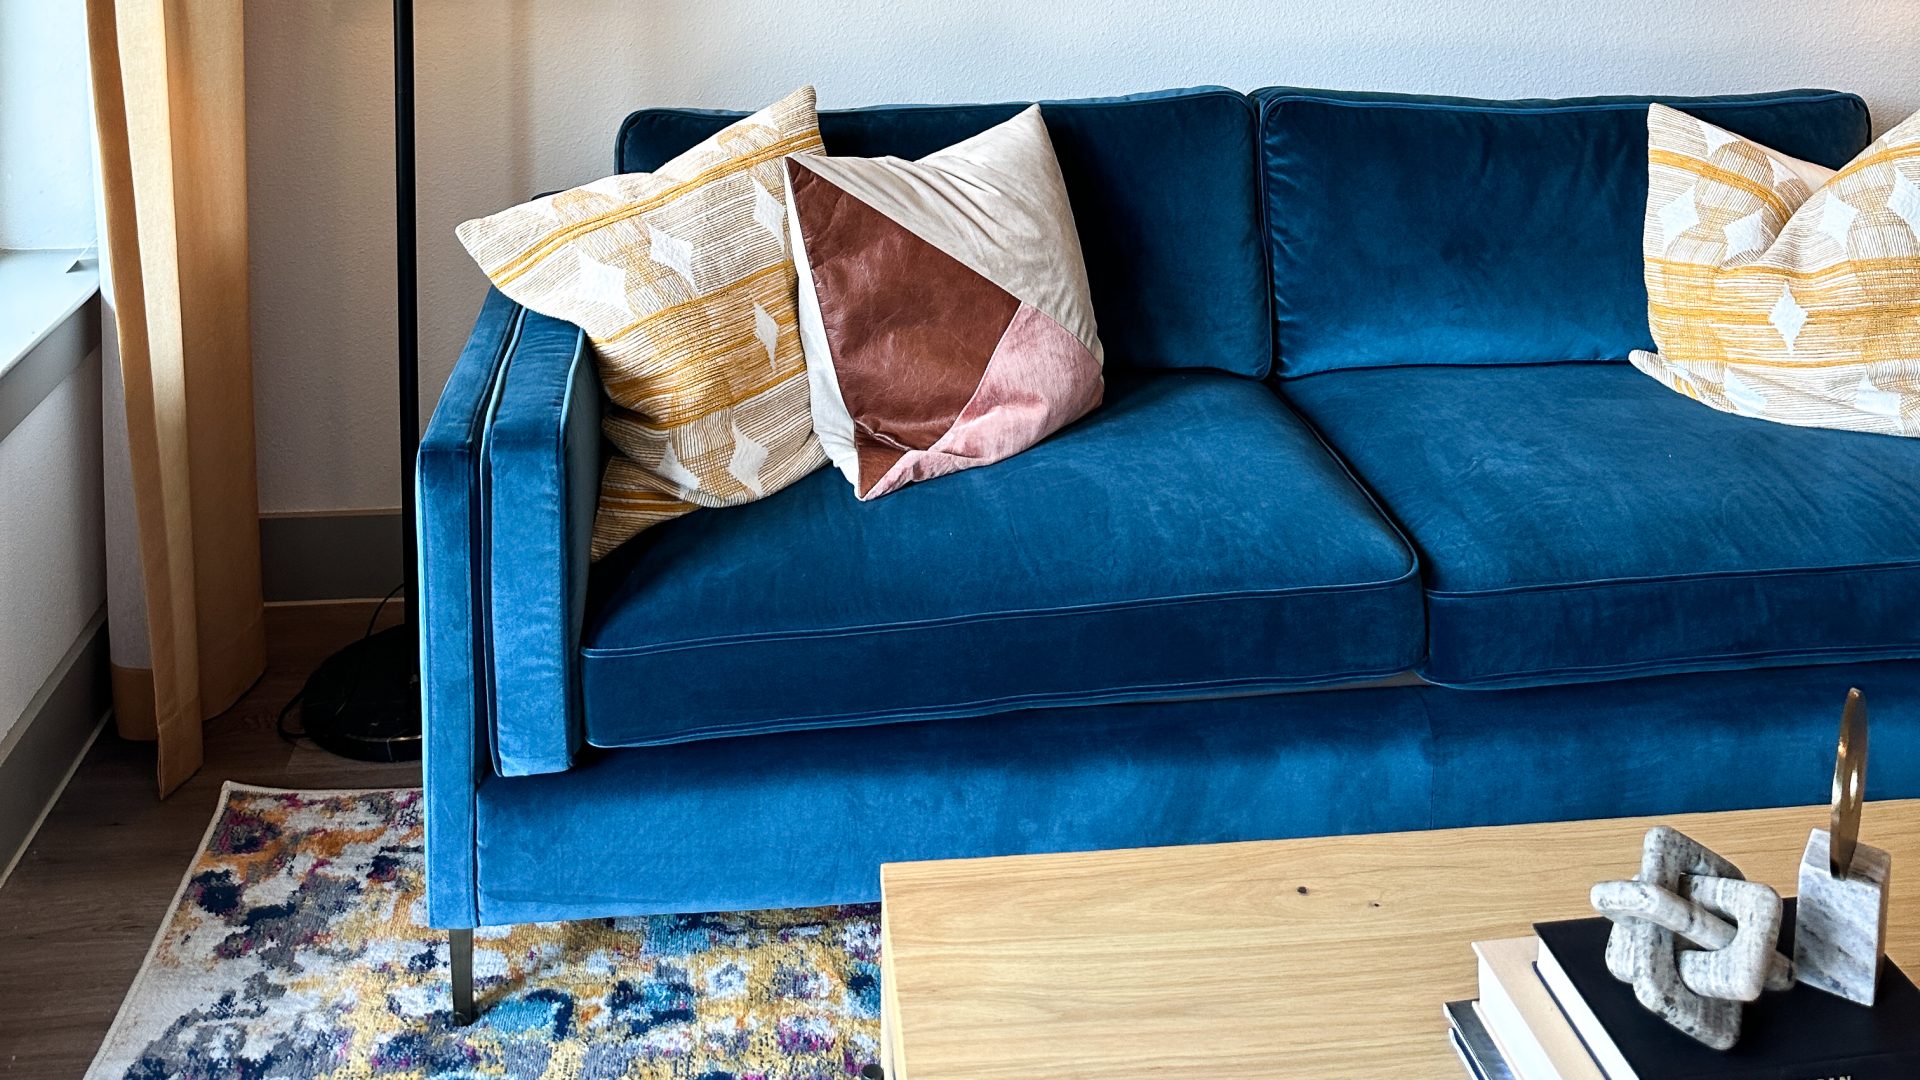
[633,118]
[1668,579]
[1149,693]
[1358,588]
[1773,100]
[480,761]
[557,440]
[1274,381]
[1538,677]
[483,560]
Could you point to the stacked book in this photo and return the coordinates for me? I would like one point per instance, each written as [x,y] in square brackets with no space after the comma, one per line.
[1549,1010]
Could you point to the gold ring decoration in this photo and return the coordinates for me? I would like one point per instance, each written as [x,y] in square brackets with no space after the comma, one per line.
[1849,785]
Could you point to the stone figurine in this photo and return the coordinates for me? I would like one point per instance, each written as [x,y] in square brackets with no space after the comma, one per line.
[1693,936]
[1840,932]
[1697,940]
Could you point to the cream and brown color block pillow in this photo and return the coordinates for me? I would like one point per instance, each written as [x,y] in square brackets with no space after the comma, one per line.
[943,305]
[683,280]
[1781,290]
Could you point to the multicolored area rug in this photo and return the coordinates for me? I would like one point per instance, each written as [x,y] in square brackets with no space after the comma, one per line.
[297,947]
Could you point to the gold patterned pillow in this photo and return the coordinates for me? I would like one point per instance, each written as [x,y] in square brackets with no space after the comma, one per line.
[1781,290]
[683,280]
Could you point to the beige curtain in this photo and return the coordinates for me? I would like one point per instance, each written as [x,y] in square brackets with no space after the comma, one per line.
[184,606]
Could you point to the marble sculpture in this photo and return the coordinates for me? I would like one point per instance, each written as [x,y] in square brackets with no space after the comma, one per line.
[1697,940]
[1693,936]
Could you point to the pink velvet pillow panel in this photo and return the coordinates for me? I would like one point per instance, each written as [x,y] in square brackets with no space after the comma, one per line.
[944,308]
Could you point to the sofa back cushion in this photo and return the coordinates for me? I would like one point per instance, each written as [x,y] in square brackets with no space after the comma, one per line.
[1165,198]
[1426,230]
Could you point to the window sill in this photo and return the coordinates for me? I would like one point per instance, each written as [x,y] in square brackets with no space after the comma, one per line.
[38,290]
[48,325]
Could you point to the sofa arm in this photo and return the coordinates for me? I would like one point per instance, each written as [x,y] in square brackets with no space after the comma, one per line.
[456,705]
[542,483]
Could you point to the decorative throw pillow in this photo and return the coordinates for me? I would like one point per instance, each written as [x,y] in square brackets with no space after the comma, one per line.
[943,305]
[1781,290]
[683,282]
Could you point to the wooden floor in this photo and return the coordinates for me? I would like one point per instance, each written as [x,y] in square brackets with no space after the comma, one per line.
[80,910]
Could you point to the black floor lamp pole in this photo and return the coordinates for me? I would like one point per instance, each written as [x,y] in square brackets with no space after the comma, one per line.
[407,299]
[363,702]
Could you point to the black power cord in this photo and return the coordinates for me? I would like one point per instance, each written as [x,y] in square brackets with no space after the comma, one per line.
[293,736]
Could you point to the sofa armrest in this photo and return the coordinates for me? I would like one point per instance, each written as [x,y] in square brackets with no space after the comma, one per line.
[542,485]
[456,702]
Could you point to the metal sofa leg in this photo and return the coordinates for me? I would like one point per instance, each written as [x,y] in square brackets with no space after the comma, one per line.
[460,956]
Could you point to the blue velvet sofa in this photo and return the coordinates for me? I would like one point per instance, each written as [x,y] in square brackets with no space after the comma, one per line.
[1376,530]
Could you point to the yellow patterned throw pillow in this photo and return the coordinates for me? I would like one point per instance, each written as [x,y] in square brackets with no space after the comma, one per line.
[683,280]
[1781,290]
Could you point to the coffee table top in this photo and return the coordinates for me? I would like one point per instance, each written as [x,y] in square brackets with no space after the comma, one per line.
[1326,957]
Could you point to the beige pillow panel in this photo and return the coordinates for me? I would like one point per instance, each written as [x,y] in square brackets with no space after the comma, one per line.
[683,281]
[1781,290]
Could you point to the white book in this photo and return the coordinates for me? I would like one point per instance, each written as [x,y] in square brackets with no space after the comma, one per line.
[1532,1033]
[1554,978]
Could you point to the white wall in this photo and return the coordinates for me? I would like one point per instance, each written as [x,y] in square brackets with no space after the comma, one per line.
[518,96]
[52,541]
[46,157]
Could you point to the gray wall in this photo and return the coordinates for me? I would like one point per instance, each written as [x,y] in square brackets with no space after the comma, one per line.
[53,657]
[52,540]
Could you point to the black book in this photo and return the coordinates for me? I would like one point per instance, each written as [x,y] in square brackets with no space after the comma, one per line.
[1797,1034]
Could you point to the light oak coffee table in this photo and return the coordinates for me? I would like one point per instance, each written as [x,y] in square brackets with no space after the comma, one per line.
[1318,958]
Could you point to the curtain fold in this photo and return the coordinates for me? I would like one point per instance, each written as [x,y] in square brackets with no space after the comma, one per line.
[185,605]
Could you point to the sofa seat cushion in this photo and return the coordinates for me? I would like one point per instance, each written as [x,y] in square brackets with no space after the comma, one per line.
[1580,521]
[1191,537]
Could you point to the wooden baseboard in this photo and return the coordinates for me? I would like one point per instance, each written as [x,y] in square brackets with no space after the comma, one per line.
[322,557]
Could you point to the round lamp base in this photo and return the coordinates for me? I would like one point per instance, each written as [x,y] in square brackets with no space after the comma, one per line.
[363,702]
